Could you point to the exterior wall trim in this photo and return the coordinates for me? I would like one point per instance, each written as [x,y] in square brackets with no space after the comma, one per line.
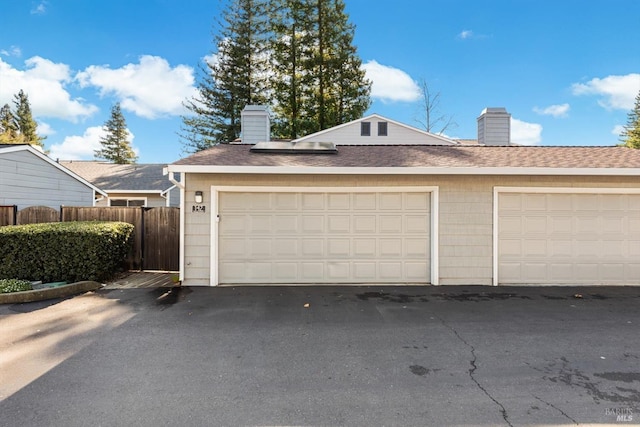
[216,190]
[304,170]
[554,190]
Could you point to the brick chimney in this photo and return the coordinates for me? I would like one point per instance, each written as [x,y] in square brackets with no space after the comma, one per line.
[255,124]
[494,127]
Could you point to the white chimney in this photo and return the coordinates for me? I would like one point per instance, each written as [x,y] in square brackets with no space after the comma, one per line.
[494,127]
[255,124]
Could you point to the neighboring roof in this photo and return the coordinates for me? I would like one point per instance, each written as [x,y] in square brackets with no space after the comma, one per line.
[126,178]
[11,148]
[423,159]
[444,140]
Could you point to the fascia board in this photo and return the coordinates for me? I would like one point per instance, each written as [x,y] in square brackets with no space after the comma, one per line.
[305,170]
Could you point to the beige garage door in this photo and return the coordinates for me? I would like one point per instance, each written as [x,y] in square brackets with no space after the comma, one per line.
[300,237]
[568,238]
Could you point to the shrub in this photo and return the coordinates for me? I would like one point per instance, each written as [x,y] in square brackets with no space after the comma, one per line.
[64,251]
[14,285]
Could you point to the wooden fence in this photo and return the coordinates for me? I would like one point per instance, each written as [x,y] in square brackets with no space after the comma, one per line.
[156,243]
[8,215]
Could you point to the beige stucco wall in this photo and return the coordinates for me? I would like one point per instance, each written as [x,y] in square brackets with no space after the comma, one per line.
[465,219]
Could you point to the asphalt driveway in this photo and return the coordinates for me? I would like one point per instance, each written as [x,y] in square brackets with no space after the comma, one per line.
[361,356]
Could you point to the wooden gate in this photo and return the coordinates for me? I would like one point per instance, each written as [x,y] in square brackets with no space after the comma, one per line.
[161,249]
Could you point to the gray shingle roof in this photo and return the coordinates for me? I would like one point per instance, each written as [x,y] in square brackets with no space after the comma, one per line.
[112,177]
[425,156]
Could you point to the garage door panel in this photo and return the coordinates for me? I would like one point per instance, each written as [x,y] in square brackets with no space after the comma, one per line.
[233,224]
[339,201]
[313,224]
[364,271]
[342,237]
[339,224]
[417,224]
[313,201]
[261,224]
[417,201]
[390,224]
[312,271]
[313,248]
[364,201]
[579,238]
[416,248]
[285,201]
[338,271]
[365,224]
[390,247]
[338,247]
[364,247]
[285,247]
[286,271]
[414,271]
[236,247]
[260,248]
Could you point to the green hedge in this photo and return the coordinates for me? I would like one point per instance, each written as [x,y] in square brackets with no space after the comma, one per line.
[14,285]
[64,251]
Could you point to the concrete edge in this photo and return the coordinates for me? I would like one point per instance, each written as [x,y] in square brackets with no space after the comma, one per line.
[49,293]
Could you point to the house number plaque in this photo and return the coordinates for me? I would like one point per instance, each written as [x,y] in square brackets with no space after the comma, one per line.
[198,208]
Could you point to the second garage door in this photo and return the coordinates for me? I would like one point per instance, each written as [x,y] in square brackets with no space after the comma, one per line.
[568,238]
[324,237]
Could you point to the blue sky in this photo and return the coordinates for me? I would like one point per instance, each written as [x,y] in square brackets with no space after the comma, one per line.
[567,70]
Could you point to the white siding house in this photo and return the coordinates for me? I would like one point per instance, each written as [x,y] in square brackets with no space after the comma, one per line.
[376,130]
[30,178]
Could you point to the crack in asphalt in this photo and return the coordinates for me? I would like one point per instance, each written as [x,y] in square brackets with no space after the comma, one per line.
[472,372]
[557,409]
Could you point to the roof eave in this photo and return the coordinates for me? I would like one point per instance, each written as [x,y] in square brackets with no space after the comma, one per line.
[310,170]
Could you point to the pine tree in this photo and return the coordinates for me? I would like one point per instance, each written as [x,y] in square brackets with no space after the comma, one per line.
[631,133]
[237,78]
[292,55]
[297,56]
[319,79]
[116,146]
[27,126]
[8,126]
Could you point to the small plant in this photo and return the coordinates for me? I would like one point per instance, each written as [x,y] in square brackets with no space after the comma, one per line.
[14,285]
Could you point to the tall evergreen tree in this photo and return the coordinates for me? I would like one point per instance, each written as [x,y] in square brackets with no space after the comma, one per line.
[8,126]
[317,66]
[292,55]
[27,126]
[116,146]
[237,77]
[631,133]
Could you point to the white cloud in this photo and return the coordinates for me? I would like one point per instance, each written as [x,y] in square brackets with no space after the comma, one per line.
[12,51]
[617,130]
[45,129]
[82,147]
[524,133]
[40,8]
[560,110]
[617,92]
[390,84]
[77,147]
[465,34]
[45,83]
[150,88]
